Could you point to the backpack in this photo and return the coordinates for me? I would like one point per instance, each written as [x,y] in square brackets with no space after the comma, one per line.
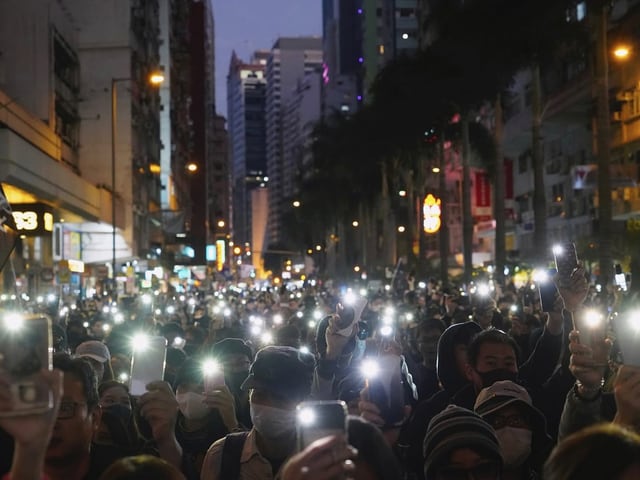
[231,453]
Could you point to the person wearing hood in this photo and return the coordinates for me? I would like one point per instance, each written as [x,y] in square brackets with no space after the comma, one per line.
[520,428]
[491,356]
[450,367]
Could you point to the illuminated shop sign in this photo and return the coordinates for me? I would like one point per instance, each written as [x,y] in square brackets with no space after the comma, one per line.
[33,219]
[431,213]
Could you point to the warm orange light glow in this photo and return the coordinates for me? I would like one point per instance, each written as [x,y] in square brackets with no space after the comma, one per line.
[296,203]
[435,169]
[355,223]
[192,167]
[221,223]
[154,168]
[622,52]
[431,212]
[156,78]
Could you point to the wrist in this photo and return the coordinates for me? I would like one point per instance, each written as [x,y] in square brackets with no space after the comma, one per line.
[588,392]
[629,421]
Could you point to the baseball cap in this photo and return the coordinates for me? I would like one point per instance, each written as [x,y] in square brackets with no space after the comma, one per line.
[504,393]
[229,346]
[95,350]
[454,428]
[284,371]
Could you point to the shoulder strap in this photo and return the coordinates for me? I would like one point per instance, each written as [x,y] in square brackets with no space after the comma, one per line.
[231,454]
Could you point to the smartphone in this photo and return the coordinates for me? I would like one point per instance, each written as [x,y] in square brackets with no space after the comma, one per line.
[213,373]
[566,260]
[386,390]
[620,278]
[349,314]
[548,292]
[592,325]
[319,419]
[147,362]
[627,329]
[26,348]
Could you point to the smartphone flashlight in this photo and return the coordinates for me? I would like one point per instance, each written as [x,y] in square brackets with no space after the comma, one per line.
[140,342]
[267,337]
[514,308]
[592,318]
[277,319]
[386,330]
[557,250]
[210,367]
[13,322]
[370,368]
[307,416]
[123,377]
[178,342]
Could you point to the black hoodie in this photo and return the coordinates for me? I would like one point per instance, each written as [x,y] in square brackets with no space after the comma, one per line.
[452,380]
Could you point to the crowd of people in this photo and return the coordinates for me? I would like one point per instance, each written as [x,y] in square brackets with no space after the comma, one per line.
[437,383]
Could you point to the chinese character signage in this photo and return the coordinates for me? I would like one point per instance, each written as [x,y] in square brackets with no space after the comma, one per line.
[431,213]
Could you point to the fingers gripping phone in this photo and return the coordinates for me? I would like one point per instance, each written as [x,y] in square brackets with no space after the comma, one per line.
[25,350]
[147,362]
[566,260]
[319,419]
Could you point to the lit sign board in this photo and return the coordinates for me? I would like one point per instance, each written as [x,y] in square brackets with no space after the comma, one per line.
[431,213]
[33,219]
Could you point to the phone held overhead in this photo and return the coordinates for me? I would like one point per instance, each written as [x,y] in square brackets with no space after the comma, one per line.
[25,351]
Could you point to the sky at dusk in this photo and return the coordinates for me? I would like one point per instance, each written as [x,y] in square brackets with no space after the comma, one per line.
[249,25]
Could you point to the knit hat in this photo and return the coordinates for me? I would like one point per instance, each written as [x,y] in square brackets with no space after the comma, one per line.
[454,428]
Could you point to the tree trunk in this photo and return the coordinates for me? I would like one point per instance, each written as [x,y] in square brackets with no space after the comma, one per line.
[467,219]
[499,192]
[603,144]
[444,216]
[540,252]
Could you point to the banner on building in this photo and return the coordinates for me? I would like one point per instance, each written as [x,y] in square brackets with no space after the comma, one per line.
[482,189]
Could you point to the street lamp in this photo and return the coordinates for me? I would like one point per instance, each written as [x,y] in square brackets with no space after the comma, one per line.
[156,78]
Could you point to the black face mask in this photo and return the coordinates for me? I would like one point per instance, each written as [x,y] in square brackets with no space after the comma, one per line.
[493,376]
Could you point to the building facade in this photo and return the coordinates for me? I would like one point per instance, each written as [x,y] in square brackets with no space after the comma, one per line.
[246,96]
[290,60]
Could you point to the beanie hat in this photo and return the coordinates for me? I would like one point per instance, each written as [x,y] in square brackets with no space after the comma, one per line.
[454,428]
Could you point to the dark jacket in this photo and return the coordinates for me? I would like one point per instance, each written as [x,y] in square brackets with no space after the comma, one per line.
[532,374]
[414,430]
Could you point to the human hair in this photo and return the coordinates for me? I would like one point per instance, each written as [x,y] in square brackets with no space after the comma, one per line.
[372,448]
[494,336]
[141,467]
[582,454]
[82,370]
[429,324]
[107,384]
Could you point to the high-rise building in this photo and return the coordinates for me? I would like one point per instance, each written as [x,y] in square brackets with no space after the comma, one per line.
[246,96]
[118,45]
[390,28]
[343,60]
[290,60]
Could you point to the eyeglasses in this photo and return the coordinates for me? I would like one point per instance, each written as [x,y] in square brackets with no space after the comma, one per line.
[515,421]
[68,409]
[482,471]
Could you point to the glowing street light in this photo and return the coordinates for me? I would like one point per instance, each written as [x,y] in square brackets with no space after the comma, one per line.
[355,223]
[296,203]
[622,52]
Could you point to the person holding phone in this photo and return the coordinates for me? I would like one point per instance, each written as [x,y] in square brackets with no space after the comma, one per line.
[203,417]
[280,378]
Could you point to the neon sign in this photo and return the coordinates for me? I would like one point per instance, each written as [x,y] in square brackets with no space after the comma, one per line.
[431,212]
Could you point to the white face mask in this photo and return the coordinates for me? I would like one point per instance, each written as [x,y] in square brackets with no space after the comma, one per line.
[273,423]
[191,405]
[515,444]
